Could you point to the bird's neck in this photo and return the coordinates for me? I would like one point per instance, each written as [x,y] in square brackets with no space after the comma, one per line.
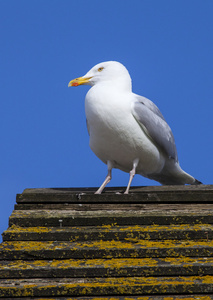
[120,85]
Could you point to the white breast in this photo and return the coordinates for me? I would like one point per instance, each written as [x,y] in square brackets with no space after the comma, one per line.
[115,135]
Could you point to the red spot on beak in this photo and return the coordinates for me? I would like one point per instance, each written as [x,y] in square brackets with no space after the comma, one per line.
[75,83]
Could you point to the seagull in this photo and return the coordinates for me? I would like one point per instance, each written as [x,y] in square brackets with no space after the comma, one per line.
[127,131]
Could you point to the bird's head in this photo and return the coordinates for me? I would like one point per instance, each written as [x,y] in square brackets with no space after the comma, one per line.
[110,72]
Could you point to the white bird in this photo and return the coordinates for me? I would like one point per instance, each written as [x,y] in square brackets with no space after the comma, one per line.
[128,131]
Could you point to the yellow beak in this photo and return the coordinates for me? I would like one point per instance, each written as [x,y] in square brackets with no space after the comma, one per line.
[79,81]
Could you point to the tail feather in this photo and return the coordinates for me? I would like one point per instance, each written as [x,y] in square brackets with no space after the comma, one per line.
[172,174]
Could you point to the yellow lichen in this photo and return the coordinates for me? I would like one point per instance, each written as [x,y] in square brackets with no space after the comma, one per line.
[119,285]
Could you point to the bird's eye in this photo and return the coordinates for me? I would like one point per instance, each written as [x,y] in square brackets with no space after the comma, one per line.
[100,69]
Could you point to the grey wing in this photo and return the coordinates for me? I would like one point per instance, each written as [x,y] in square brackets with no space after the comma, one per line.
[153,123]
[149,104]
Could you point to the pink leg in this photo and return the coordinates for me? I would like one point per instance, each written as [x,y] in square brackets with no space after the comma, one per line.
[108,178]
[132,174]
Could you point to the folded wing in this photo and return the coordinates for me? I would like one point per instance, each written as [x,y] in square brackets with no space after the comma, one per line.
[153,123]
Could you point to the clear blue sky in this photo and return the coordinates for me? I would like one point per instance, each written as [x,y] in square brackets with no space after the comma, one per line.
[167,46]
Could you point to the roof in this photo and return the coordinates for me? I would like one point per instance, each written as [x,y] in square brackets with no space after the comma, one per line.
[155,243]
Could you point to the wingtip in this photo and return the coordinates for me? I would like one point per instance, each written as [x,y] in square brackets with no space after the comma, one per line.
[197,182]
